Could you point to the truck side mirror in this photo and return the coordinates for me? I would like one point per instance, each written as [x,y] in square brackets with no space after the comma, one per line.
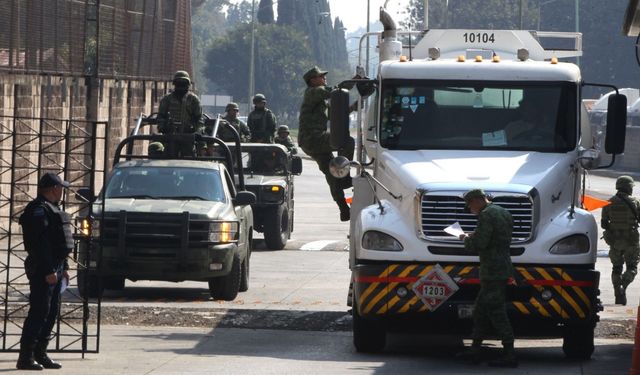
[616,124]
[85,195]
[339,118]
[296,165]
[244,198]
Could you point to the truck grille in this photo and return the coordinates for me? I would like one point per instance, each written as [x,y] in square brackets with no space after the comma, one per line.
[154,235]
[440,211]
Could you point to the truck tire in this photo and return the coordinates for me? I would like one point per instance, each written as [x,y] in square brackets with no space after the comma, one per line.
[578,341]
[276,228]
[113,283]
[89,285]
[368,336]
[245,269]
[226,287]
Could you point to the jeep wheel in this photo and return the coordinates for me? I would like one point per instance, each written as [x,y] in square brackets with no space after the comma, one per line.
[368,336]
[578,340]
[246,268]
[276,228]
[89,285]
[226,287]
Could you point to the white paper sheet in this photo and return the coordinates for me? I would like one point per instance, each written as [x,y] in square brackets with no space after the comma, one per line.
[454,229]
[64,284]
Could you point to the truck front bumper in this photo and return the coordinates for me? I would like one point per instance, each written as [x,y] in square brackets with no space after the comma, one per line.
[548,296]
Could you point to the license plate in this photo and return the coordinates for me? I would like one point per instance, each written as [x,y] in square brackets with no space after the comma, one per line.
[465,311]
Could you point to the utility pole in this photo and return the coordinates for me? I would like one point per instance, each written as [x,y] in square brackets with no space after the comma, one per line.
[252,56]
[368,22]
[521,14]
[578,25]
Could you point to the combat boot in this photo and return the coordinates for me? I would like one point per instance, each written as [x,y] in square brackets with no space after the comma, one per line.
[25,358]
[345,211]
[508,358]
[473,355]
[40,355]
[621,296]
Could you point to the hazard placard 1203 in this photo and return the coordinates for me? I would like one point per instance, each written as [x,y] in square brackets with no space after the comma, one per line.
[435,287]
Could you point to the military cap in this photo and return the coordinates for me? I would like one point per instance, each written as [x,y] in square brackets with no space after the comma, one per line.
[51,179]
[283,128]
[181,75]
[231,106]
[258,98]
[473,194]
[313,73]
[624,182]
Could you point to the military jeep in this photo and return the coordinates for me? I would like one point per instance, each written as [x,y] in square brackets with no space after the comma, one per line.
[269,171]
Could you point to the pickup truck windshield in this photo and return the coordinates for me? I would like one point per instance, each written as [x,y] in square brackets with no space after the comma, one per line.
[166,183]
[470,116]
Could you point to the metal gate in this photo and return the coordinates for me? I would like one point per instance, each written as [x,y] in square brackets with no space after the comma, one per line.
[30,147]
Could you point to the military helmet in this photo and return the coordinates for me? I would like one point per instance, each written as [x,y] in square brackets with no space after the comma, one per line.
[473,194]
[258,98]
[283,128]
[232,106]
[155,148]
[181,75]
[624,183]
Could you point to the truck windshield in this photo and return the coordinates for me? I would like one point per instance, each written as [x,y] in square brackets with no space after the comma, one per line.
[469,116]
[166,183]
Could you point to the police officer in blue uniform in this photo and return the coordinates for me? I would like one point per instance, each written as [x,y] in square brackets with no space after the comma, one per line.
[48,240]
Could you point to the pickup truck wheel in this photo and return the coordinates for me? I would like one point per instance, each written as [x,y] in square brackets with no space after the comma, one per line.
[368,336]
[245,269]
[578,341]
[89,285]
[226,287]
[276,228]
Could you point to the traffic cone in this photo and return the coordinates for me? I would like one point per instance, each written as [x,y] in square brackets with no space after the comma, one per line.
[635,356]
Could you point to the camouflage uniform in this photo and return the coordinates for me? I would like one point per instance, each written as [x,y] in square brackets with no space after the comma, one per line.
[491,240]
[241,128]
[314,138]
[180,112]
[620,224]
[284,139]
[261,122]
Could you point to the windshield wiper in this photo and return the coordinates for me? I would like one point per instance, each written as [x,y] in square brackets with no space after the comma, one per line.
[138,196]
[184,197]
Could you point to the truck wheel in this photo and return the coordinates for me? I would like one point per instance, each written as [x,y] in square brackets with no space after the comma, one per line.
[245,269]
[89,285]
[578,341]
[226,287]
[276,228]
[368,336]
[113,283]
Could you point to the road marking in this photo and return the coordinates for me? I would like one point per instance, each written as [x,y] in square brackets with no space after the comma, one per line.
[317,245]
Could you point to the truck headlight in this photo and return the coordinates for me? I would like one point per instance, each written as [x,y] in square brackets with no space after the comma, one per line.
[574,244]
[374,240]
[90,227]
[223,232]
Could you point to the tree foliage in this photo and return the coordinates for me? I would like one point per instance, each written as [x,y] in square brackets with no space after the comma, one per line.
[265,11]
[207,22]
[279,66]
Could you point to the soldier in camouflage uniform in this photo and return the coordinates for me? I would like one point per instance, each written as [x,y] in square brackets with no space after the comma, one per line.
[261,121]
[491,240]
[284,139]
[314,138]
[620,224]
[180,113]
[232,110]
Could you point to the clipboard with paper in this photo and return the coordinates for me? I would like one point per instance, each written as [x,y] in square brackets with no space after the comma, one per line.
[454,229]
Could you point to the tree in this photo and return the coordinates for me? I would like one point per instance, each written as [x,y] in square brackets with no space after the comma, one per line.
[239,13]
[286,12]
[207,21]
[279,66]
[265,12]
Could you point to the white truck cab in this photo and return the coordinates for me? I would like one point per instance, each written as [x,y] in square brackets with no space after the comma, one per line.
[489,109]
